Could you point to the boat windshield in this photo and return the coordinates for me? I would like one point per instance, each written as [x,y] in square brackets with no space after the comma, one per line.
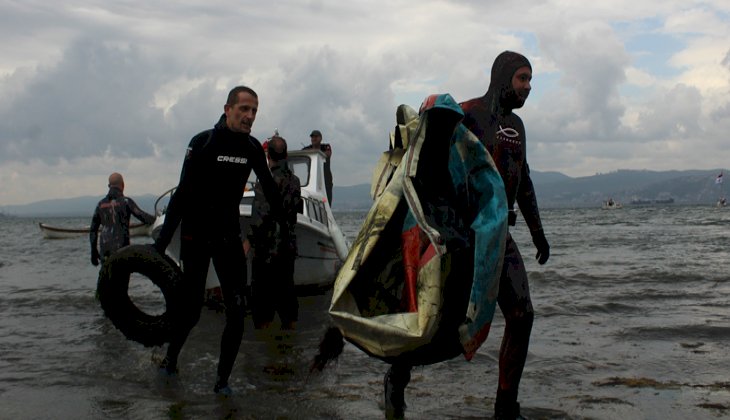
[300,166]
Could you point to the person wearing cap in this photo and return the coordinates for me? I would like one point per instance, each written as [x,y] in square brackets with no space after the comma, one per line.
[272,275]
[112,215]
[490,118]
[316,137]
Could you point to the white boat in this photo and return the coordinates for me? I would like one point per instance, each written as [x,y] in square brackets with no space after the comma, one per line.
[57,232]
[321,244]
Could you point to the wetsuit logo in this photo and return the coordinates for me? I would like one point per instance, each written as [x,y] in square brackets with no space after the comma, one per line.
[233,159]
[508,134]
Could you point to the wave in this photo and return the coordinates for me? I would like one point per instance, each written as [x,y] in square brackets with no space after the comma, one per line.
[677,332]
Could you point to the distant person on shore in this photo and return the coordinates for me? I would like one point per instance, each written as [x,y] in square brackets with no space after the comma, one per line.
[491,119]
[112,215]
[272,283]
[316,138]
[217,165]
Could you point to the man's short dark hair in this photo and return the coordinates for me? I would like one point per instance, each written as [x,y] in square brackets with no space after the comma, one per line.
[233,94]
[277,148]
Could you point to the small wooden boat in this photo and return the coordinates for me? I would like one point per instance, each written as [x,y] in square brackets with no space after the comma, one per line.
[56,232]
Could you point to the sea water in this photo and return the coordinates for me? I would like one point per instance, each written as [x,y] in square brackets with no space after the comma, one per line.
[632,322]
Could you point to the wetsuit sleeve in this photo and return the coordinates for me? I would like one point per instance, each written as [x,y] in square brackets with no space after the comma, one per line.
[271,192]
[140,214]
[94,228]
[527,201]
[525,196]
[298,202]
[179,198]
[258,211]
[293,201]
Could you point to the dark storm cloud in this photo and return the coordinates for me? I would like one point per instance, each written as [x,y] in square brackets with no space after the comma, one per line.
[97,99]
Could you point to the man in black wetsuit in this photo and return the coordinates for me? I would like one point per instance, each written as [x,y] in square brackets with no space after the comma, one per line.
[491,119]
[316,137]
[112,215]
[217,165]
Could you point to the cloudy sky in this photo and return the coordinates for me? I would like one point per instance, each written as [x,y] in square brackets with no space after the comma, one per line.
[92,86]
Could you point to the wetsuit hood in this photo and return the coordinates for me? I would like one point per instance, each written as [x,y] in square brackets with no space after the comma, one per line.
[500,96]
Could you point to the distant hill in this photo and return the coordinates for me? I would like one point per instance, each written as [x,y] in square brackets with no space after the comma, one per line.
[70,207]
[685,187]
[553,189]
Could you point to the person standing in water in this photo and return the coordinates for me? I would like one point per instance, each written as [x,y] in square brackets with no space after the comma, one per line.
[491,119]
[316,138]
[112,215]
[272,283]
[502,132]
[217,165]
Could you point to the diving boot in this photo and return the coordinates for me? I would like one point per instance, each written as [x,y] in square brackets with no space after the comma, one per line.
[395,385]
[506,406]
[507,411]
[168,367]
[221,388]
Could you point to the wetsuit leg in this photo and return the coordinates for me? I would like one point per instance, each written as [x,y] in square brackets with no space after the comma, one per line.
[395,382]
[230,265]
[195,264]
[516,305]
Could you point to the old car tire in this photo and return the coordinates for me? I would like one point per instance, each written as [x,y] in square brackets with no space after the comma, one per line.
[150,330]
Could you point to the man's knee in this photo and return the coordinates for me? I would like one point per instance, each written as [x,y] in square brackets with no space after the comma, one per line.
[236,310]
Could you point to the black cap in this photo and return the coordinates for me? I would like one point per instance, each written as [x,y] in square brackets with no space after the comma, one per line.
[315,133]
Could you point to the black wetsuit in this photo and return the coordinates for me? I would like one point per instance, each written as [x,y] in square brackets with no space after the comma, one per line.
[272,285]
[205,203]
[112,215]
[491,119]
